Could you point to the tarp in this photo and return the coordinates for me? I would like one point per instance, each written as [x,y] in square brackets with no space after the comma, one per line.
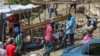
[9,8]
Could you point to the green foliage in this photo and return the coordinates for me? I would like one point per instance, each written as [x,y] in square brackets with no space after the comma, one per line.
[34,16]
[18,1]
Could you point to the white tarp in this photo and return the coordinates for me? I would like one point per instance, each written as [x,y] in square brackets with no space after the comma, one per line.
[9,10]
[17,7]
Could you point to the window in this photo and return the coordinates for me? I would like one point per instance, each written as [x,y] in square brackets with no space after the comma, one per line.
[93,49]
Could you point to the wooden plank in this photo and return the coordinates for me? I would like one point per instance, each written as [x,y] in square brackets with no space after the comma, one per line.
[42,24]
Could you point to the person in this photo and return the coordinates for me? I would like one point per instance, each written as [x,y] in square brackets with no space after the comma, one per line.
[19,40]
[11,48]
[92,22]
[87,33]
[73,4]
[69,33]
[10,24]
[52,9]
[49,38]
[2,51]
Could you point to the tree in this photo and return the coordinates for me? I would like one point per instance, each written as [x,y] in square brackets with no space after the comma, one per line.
[10,2]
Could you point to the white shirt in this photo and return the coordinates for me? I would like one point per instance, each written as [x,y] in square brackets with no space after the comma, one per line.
[73,0]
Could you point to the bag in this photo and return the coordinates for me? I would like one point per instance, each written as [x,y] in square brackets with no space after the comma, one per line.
[95,25]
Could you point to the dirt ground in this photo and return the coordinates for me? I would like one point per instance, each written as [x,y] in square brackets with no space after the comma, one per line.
[80,21]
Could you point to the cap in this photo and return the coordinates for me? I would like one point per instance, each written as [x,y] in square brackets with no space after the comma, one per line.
[52,22]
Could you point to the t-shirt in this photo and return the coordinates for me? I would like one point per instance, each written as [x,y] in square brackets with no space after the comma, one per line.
[70,26]
[10,24]
[2,52]
[10,49]
[48,33]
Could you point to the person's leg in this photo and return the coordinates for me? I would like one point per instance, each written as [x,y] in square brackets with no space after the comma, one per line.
[64,41]
[56,13]
[71,39]
[50,13]
[50,47]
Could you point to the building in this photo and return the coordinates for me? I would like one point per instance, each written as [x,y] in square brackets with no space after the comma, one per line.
[2,2]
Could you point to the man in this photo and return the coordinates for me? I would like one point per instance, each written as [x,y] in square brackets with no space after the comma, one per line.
[2,51]
[49,38]
[73,4]
[52,9]
[11,48]
[69,33]
[19,40]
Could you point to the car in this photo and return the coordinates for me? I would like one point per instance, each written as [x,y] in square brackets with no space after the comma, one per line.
[92,48]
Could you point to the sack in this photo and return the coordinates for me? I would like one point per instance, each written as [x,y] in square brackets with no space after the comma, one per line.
[57,35]
[93,23]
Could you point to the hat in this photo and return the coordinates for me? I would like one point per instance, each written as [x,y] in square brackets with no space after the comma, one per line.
[52,21]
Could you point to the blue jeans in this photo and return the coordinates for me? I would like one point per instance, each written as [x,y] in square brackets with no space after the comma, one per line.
[71,39]
[52,11]
[49,47]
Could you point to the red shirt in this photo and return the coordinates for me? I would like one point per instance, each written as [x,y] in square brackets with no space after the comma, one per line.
[48,35]
[10,49]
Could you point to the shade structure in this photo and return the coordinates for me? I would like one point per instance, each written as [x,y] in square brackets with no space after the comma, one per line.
[17,7]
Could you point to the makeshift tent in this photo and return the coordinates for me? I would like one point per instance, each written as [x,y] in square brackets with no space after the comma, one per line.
[9,8]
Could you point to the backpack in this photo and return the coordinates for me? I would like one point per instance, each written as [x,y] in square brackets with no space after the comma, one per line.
[95,25]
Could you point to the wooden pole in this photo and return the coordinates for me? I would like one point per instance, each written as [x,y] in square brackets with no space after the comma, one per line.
[2,28]
[39,16]
[66,8]
[31,16]
[45,12]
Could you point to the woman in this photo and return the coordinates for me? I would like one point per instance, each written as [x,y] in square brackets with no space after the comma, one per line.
[87,33]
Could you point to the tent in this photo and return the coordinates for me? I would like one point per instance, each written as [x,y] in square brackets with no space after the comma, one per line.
[9,10]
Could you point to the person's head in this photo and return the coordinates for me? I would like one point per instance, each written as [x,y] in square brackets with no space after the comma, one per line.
[10,40]
[52,22]
[1,44]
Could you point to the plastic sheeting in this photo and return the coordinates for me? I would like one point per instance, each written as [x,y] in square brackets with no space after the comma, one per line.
[10,8]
